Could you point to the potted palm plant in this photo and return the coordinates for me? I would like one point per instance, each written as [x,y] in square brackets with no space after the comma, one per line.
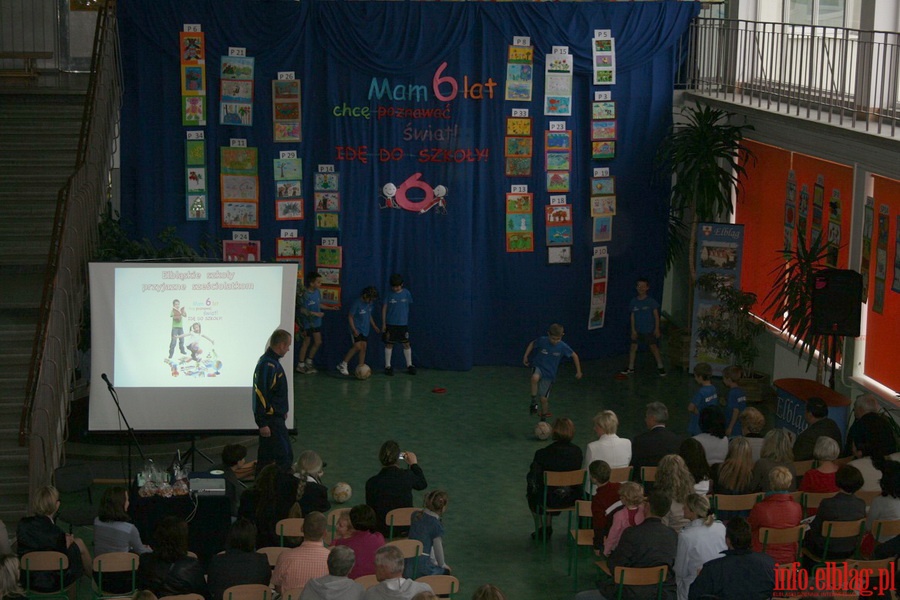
[791,299]
[704,155]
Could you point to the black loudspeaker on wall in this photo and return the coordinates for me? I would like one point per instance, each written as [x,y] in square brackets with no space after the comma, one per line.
[836,302]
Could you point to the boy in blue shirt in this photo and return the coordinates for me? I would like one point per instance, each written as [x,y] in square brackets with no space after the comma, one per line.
[705,396]
[360,319]
[737,399]
[644,327]
[395,322]
[312,310]
[548,351]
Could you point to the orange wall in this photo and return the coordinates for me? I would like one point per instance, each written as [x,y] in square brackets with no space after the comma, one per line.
[883,331]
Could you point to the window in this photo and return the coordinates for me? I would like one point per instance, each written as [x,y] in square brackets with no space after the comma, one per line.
[825,13]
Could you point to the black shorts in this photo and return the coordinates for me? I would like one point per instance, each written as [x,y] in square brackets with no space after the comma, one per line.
[396,334]
[312,330]
[358,337]
[648,339]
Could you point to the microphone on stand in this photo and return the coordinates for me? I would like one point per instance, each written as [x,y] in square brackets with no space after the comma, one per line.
[106,379]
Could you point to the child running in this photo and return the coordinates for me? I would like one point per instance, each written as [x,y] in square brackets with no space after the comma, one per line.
[548,351]
[312,310]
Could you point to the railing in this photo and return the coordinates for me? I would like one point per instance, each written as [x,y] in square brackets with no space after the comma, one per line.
[50,381]
[843,76]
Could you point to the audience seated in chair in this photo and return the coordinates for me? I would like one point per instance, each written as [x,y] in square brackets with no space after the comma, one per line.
[844,506]
[869,463]
[776,452]
[819,424]
[363,539]
[694,455]
[40,532]
[822,478]
[236,468]
[702,540]
[735,475]
[606,495]
[389,564]
[777,510]
[740,574]
[9,578]
[712,434]
[560,455]
[886,507]
[113,529]
[752,424]
[240,564]
[608,446]
[297,566]
[675,481]
[648,447]
[168,570]
[272,498]
[871,427]
[309,468]
[336,585]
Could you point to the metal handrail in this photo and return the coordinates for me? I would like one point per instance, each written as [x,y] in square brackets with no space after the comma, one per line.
[74,235]
[833,74]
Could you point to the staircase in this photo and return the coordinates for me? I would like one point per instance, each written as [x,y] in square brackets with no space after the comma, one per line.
[39,130]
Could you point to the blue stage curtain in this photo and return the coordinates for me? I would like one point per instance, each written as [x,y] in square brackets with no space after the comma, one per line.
[474,303]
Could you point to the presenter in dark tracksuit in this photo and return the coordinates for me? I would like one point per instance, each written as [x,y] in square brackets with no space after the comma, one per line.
[270,403]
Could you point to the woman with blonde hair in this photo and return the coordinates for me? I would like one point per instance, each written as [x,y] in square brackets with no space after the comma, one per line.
[488,591]
[822,478]
[752,424]
[9,578]
[675,481]
[779,511]
[776,452]
[735,475]
[608,446]
[699,542]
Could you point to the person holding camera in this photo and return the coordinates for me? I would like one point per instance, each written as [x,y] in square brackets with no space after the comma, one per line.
[392,487]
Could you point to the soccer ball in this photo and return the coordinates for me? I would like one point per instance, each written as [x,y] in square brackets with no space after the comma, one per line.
[542,430]
[341,492]
[363,372]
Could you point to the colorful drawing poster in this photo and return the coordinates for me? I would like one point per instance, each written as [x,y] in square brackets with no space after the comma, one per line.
[720,248]
[238,161]
[868,227]
[558,84]
[519,222]
[193,111]
[519,73]
[599,279]
[286,110]
[240,251]
[604,60]
[236,91]
[193,47]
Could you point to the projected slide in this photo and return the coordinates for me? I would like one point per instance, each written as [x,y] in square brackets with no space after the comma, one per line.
[180,341]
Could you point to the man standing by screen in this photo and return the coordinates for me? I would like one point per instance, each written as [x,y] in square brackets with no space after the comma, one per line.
[270,403]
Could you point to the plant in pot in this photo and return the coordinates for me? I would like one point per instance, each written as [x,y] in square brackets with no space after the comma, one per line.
[727,330]
[706,155]
[790,299]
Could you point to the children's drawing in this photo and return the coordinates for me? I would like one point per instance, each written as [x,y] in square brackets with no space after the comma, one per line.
[240,214]
[559,235]
[518,166]
[558,140]
[287,131]
[602,206]
[519,202]
[287,111]
[289,210]
[560,255]
[327,201]
[328,256]
[558,105]
[327,221]
[240,187]
[602,186]
[602,229]
[238,161]
[518,91]
[603,130]
[559,160]
[288,168]
[196,179]
[603,45]
[196,207]
[236,113]
[598,267]
[518,146]
[195,152]
[329,275]
[603,110]
[331,297]
[519,222]
[558,214]
[288,247]
[240,251]
[192,47]
[518,125]
[237,67]
[193,110]
[236,91]
[558,182]
[520,241]
[193,80]
[603,149]
[286,90]
[326,182]
[521,54]
[288,189]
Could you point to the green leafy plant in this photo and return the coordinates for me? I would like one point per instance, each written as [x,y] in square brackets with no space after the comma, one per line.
[706,155]
[791,297]
[728,330]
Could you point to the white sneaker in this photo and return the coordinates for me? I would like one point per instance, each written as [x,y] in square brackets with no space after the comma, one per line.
[310,369]
[301,368]
[342,367]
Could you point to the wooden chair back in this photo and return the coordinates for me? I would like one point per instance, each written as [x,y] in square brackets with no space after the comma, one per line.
[813,499]
[620,474]
[564,478]
[185,597]
[399,517]
[248,591]
[292,527]
[802,466]
[115,562]
[409,548]
[45,560]
[868,496]
[786,535]
[885,528]
[367,581]
[441,585]
[648,474]
[272,553]
[735,502]
[833,530]
[628,576]
[291,594]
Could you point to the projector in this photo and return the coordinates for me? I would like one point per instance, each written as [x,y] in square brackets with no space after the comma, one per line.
[207,484]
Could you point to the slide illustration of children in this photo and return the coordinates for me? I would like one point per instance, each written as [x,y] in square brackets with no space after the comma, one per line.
[193,338]
[177,314]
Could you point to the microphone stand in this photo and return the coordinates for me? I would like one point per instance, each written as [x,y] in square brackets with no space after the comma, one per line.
[132,437]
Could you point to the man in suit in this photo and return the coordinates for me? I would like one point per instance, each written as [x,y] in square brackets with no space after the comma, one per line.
[650,544]
[650,446]
[871,427]
[819,424]
[754,571]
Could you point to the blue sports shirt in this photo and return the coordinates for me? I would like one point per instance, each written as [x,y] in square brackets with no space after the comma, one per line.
[545,356]
[362,312]
[705,396]
[398,307]
[313,303]
[644,321]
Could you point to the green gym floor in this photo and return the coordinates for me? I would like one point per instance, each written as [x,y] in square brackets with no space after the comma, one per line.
[476,442]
